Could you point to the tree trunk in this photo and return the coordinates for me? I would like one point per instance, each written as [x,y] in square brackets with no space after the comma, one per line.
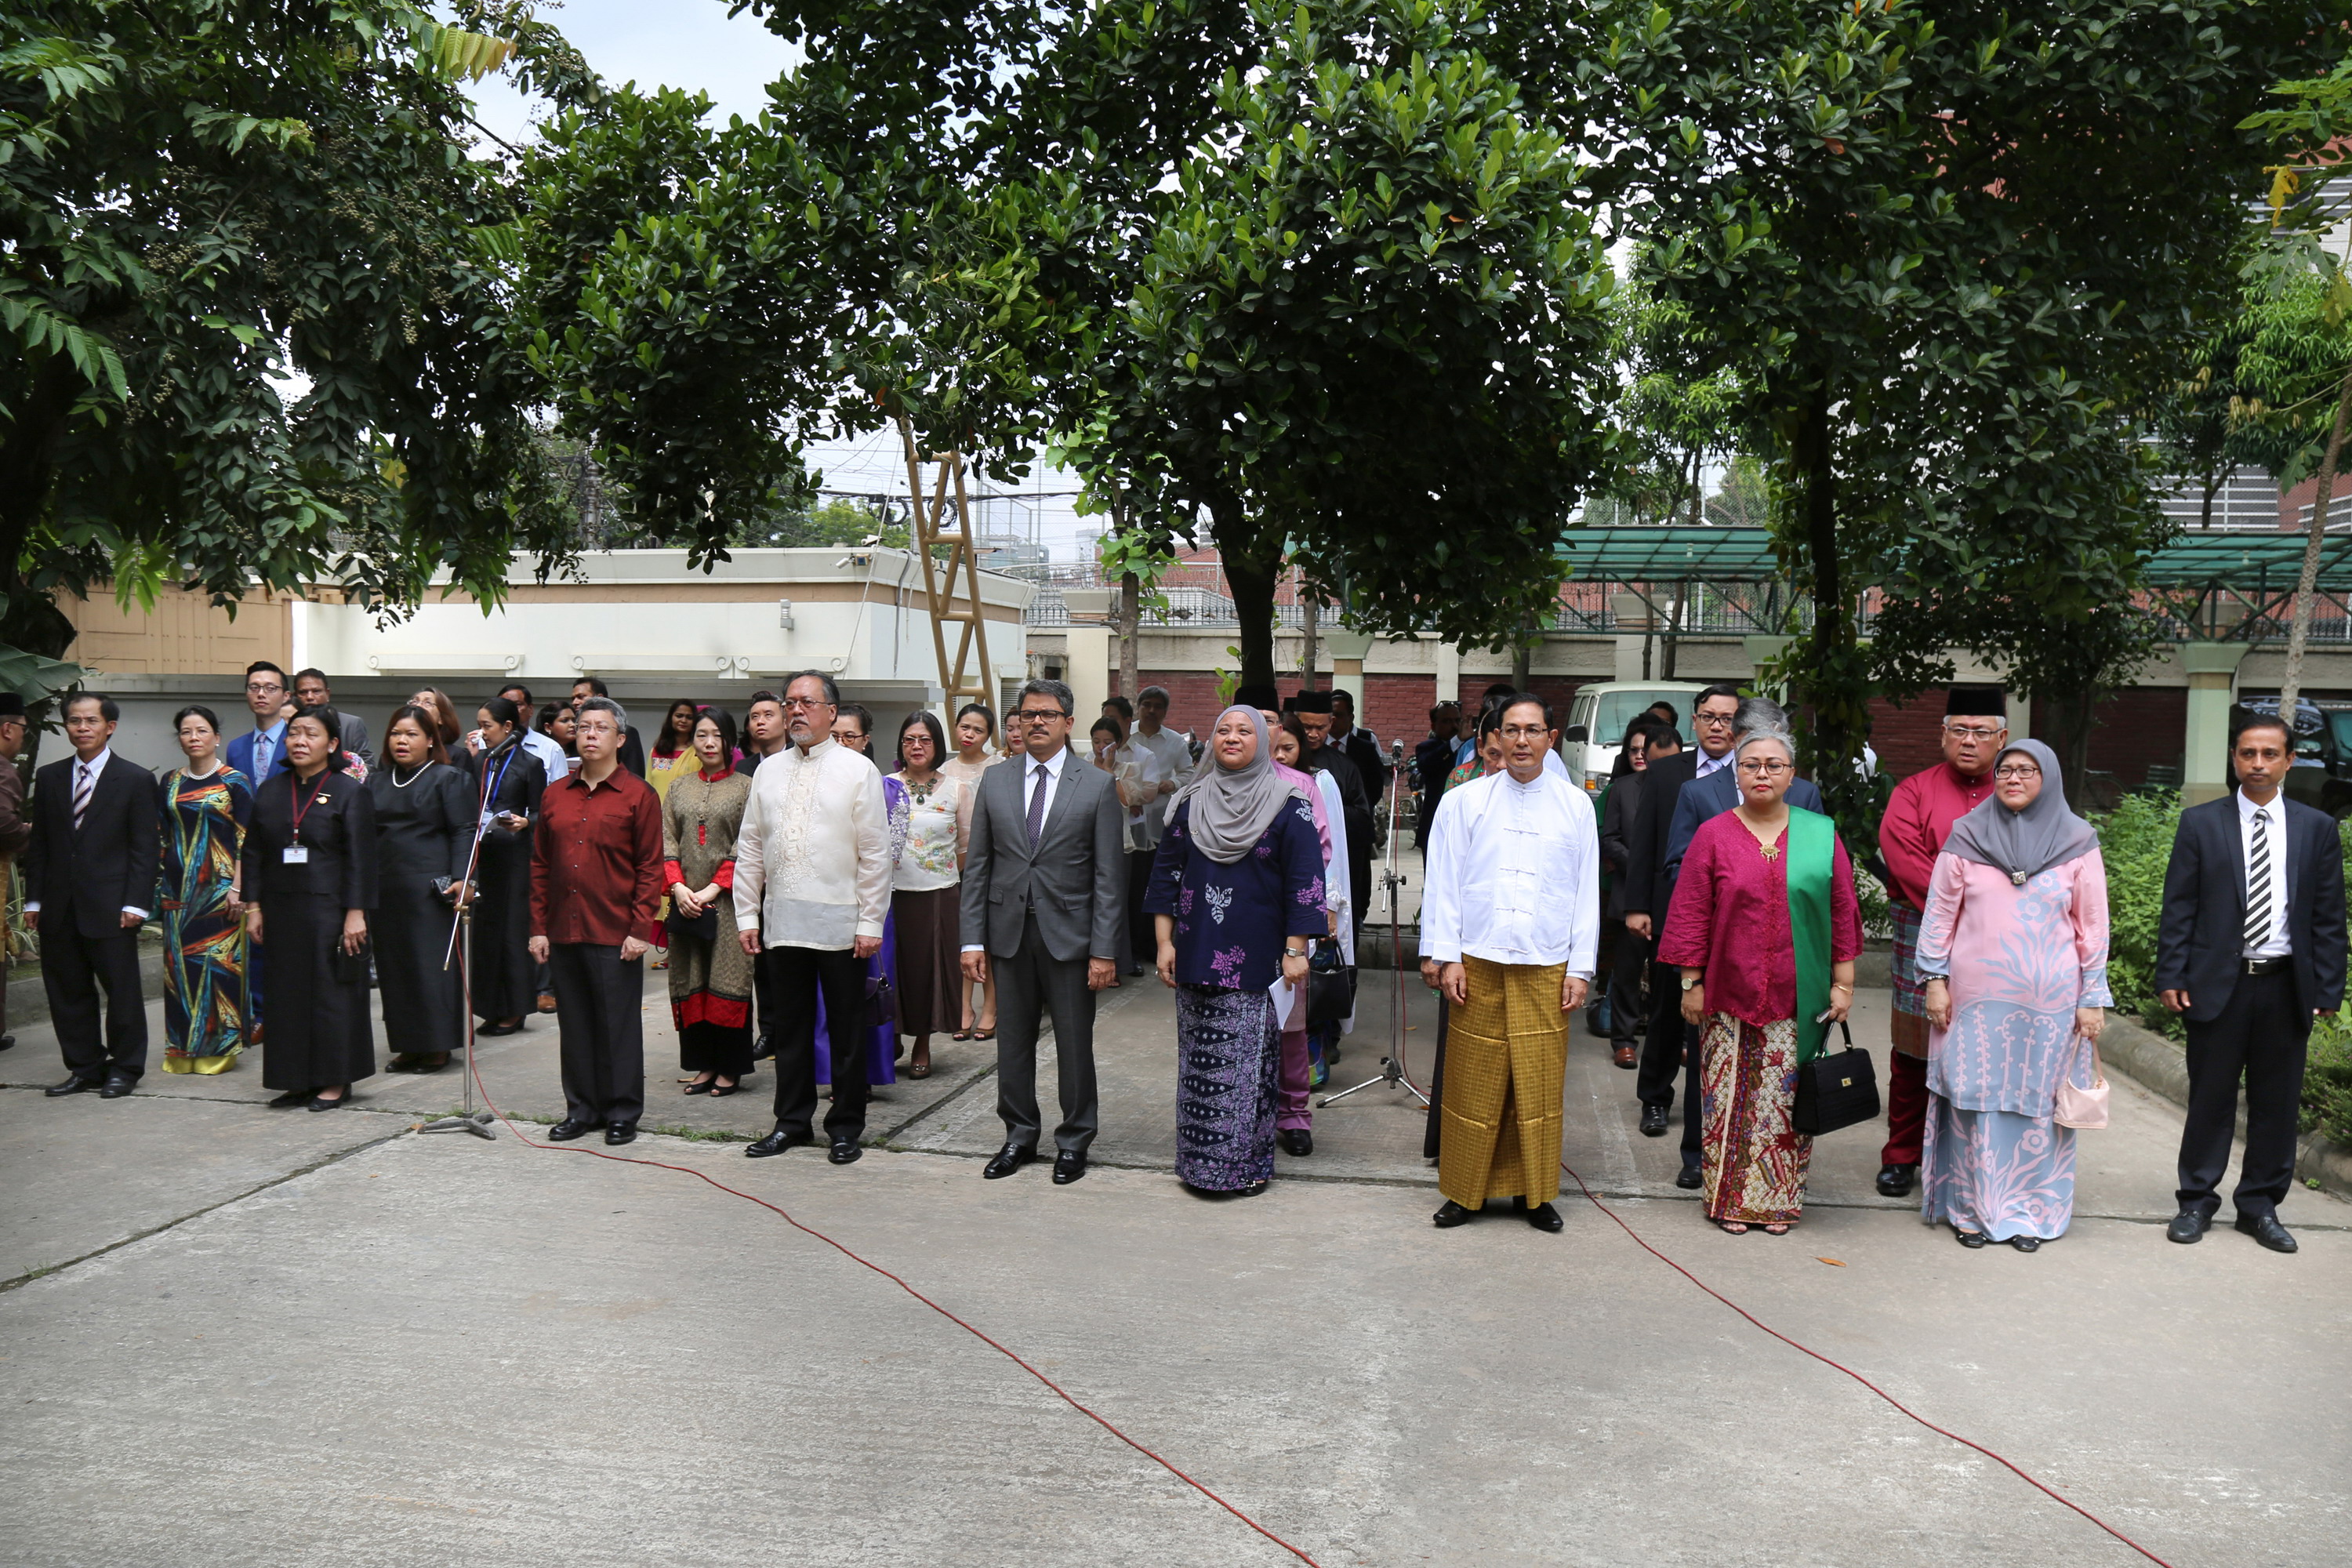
[2291,685]
[1673,639]
[1308,655]
[2071,719]
[1522,658]
[29,617]
[1130,631]
[1251,572]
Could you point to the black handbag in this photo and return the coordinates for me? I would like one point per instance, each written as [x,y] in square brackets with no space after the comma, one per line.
[347,968]
[1330,984]
[1836,1089]
[880,1008]
[703,927]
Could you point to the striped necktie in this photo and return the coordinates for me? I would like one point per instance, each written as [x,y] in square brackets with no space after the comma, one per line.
[85,782]
[2258,884]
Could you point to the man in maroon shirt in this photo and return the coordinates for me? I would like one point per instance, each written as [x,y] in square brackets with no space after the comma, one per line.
[1919,818]
[595,878]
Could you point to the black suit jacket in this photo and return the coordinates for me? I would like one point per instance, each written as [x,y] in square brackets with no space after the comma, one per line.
[92,875]
[2201,934]
[1355,805]
[1646,883]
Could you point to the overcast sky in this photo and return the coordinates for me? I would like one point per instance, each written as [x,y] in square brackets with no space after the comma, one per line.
[693,44]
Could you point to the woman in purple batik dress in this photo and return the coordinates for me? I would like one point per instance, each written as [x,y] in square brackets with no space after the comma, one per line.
[2013,949]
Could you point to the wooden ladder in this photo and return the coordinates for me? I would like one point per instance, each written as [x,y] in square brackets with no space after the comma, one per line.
[969,677]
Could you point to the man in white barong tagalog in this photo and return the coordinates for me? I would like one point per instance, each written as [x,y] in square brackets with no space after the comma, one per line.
[1510,914]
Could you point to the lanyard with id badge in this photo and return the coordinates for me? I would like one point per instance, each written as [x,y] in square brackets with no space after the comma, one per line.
[297,853]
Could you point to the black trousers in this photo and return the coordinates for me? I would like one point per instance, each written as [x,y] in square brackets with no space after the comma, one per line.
[1672,1046]
[796,975]
[1031,984]
[74,969]
[1142,938]
[1359,883]
[2262,1033]
[599,1028]
[1632,962]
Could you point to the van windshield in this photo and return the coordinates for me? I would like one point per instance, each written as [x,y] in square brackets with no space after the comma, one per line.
[1615,709]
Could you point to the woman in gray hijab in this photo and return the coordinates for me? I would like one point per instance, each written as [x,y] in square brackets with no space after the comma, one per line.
[2013,949]
[1237,894]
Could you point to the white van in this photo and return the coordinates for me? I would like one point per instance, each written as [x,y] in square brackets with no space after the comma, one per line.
[1596,717]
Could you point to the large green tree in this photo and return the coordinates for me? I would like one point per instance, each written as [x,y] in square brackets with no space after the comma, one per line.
[1955,250]
[256,321]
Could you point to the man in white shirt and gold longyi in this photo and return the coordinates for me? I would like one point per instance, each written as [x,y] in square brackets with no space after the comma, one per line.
[1511,915]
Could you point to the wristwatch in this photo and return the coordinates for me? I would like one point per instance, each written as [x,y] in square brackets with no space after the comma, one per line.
[1690,982]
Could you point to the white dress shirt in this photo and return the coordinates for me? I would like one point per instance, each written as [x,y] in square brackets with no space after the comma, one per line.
[1175,754]
[1707,764]
[813,858]
[2275,815]
[1513,875]
[93,767]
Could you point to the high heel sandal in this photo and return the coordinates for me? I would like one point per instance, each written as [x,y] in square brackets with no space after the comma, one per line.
[721,1090]
[701,1086]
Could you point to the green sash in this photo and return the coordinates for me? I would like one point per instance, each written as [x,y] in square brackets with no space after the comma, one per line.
[1812,857]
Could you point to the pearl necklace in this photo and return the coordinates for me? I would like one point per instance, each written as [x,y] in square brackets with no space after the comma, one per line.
[399,782]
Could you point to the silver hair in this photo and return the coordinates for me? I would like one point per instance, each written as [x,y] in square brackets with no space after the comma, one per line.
[1780,737]
[603,705]
[1759,713]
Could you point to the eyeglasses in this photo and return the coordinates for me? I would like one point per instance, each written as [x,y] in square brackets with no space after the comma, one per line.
[1765,769]
[1974,731]
[1713,720]
[262,688]
[1039,715]
[806,702]
[2017,770]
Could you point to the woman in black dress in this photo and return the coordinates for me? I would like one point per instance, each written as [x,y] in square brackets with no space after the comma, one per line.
[425,833]
[308,883]
[511,781]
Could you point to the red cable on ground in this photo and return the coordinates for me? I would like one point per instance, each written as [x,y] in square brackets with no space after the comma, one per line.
[1874,1388]
[1012,1356]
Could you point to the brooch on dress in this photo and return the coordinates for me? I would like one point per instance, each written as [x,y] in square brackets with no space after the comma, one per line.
[2016,878]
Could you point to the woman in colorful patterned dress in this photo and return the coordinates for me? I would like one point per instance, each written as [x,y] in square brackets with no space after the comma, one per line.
[2013,949]
[205,806]
[1236,892]
[927,889]
[709,976]
[670,757]
[1733,933]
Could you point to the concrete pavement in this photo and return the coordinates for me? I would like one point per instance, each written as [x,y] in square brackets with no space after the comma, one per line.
[294,1339]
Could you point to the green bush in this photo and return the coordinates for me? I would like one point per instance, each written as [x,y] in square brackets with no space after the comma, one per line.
[2136,842]
[2327,1081]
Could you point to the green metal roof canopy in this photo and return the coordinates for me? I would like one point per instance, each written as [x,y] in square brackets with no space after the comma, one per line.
[1745,555]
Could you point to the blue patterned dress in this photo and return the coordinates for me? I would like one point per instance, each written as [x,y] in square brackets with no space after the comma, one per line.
[1231,924]
[203,945]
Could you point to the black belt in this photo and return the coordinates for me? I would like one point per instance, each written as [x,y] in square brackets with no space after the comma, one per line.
[2266,966]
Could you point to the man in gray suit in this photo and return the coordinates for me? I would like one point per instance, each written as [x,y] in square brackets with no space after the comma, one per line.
[1043,899]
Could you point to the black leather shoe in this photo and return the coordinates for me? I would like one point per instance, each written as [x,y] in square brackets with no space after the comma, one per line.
[1894,1181]
[118,1084]
[845,1151]
[1690,1178]
[2026,1243]
[1543,1216]
[1971,1239]
[1009,1159]
[2266,1229]
[776,1143]
[1069,1164]
[565,1130]
[762,1048]
[1452,1214]
[7,1042]
[1654,1121]
[619,1133]
[287,1102]
[1296,1140]
[2187,1225]
[71,1086]
[337,1104]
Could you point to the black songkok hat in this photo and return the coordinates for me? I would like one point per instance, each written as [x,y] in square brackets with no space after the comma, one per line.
[11,705]
[1974,701]
[1311,702]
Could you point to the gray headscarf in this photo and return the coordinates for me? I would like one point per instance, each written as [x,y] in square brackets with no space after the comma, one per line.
[1233,807]
[2024,843]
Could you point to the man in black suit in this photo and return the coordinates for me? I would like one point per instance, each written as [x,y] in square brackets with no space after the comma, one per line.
[95,849]
[1356,799]
[2249,947]
[1649,888]
[1432,761]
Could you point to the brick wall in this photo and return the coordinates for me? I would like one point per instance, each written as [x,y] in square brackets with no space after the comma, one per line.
[1908,739]
[2138,728]
[1396,707]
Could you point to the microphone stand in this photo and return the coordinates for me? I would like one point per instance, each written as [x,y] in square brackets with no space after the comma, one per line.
[1391,1073]
[461,930]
